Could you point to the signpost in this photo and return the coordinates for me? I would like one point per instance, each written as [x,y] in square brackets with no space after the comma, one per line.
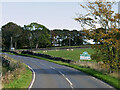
[85,56]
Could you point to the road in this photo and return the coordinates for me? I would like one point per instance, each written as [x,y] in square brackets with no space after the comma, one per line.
[51,75]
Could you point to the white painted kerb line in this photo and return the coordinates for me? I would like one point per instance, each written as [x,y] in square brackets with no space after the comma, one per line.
[101,81]
[33,79]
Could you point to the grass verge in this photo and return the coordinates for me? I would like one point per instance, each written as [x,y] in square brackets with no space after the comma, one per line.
[22,82]
[106,78]
[19,77]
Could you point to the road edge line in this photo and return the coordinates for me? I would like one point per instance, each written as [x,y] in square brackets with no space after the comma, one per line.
[33,77]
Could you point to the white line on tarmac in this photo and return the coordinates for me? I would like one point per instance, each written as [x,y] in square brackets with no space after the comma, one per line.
[71,85]
[101,81]
[33,79]
[52,68]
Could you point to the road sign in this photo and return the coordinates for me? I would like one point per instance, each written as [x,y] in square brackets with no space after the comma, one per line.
[85,56]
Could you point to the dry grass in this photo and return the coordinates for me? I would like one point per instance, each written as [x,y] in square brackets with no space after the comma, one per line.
[12,71]
[10,76]
[99,67]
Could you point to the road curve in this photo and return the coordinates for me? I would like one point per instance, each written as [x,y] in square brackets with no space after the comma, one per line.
[51,75]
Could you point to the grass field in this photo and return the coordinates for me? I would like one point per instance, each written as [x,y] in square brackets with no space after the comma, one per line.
[72,55]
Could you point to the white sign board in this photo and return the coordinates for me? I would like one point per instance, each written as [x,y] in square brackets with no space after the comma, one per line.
[85,56]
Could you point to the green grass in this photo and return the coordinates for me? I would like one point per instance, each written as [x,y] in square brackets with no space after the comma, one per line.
[108,79]
[72,55]
[22,82]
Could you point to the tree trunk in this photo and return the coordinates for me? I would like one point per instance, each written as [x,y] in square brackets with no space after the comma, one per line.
[15,45]
[36,45]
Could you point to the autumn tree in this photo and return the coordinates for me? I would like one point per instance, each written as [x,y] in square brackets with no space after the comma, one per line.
[107,36]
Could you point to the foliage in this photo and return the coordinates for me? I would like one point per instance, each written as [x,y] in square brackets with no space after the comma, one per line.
[10,30]
[22,82]
[9,64]
[36,35]
[15,74]
[66,38]
[108,36]
[39,35]
[30,36]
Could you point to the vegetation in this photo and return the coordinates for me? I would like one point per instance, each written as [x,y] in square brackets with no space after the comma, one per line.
[39,35]
[22,82]
[110,80]
[66,38]
[15,74]
[108,35]
[72,54]
[30,36]
[36,35]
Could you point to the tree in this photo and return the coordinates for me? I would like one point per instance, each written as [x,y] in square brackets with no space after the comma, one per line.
[100,12]
[10,30]
[24,40]
[66,37]
[39,35]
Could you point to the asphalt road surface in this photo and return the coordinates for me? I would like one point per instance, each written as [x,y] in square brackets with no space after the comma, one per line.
[51,75]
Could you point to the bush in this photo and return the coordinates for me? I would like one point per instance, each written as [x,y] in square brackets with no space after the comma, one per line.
[11,69]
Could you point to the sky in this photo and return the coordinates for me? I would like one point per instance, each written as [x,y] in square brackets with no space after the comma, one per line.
[54,15]
[51,14]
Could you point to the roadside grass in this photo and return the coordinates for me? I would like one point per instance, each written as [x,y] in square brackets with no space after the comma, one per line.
[104,77]
[16,74]
[22,82]
[72,55]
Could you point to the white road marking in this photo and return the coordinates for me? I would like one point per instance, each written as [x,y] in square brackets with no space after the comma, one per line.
[71,85]
[52,68]
[101,81]
[33,79]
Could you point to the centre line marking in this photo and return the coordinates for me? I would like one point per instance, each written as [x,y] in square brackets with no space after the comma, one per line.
[66,78]
[71,85]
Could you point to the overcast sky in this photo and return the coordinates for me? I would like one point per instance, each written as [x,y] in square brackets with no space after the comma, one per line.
[54,15]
